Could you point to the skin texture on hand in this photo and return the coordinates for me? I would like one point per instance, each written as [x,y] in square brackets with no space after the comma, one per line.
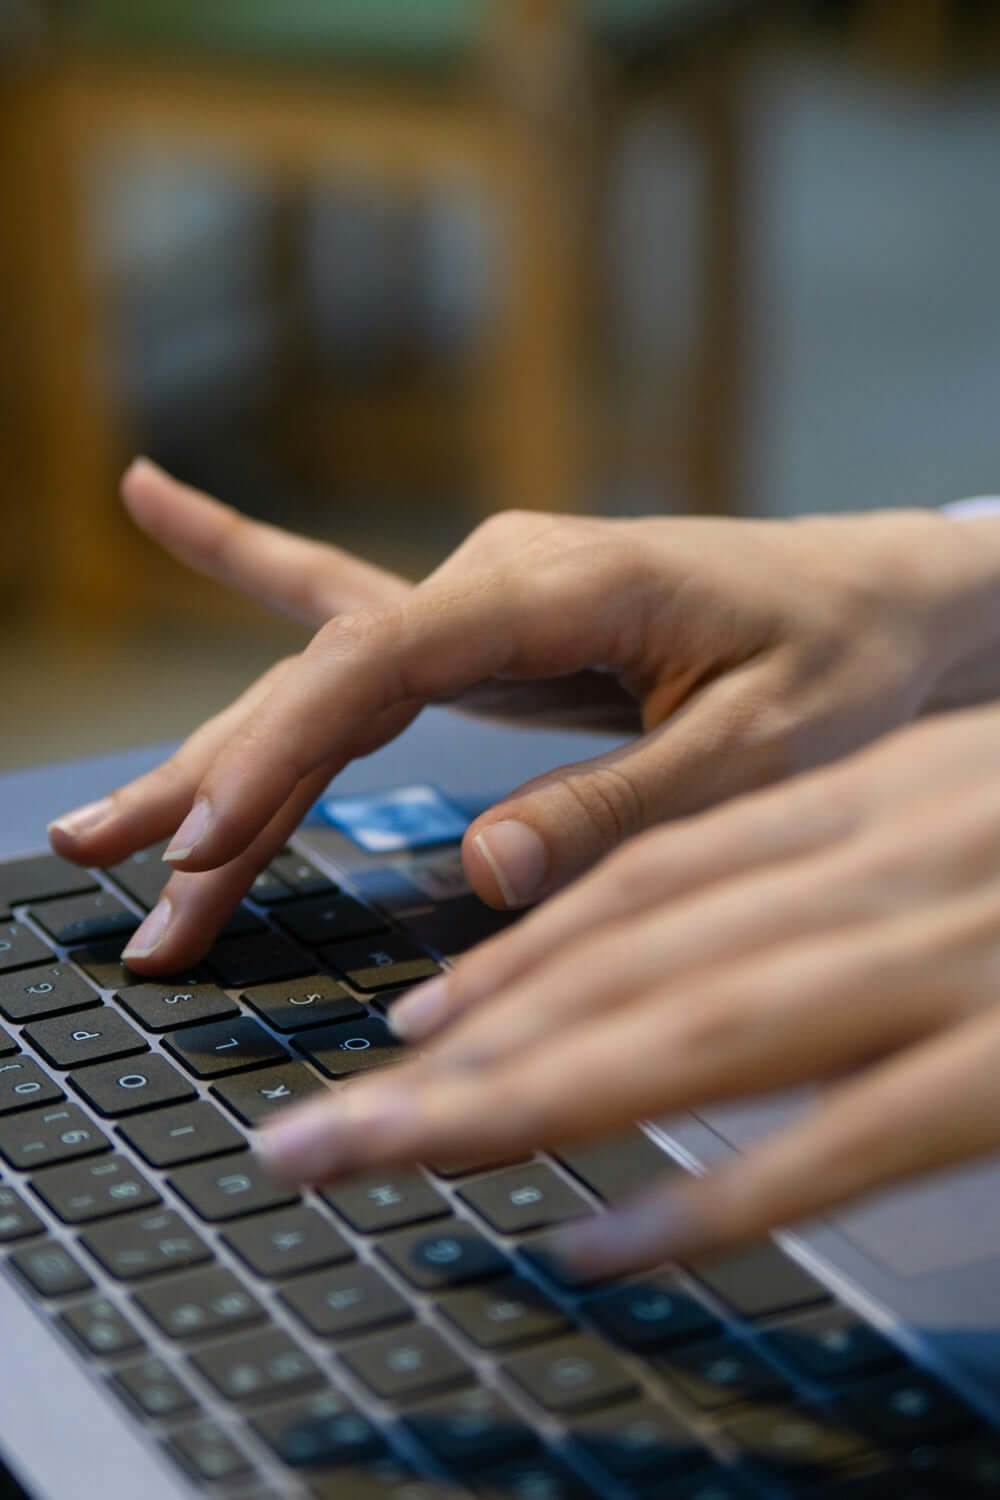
[841,930]
[745,652]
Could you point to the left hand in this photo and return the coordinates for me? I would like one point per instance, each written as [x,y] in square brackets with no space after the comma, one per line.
[846,922]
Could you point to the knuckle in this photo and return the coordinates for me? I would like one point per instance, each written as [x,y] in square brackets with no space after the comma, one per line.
[637,870]
[610,802]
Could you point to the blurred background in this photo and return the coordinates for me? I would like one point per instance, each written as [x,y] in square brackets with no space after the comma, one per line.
[375,268]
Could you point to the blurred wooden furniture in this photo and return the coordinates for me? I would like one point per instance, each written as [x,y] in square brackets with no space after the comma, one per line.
[498,92]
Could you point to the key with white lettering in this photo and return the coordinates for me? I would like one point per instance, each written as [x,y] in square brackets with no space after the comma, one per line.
[146,1245]
[23,1085]
[168,1007]
[17,1220]
[47,990]
[124,1088]
[84,1191]
[102,1328]
[19,947]
[255,1097]
[229,1188]
[288,1242]
[199,1303]
[189,1132]
[96,1036]
[225,1047]
[44,1137]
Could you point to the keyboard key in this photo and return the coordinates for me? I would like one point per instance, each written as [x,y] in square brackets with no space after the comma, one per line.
[521,1198]
[102,1328]
[255,1097]
[241,962]
[258,1365]
[229,1188]
[44,1137]
[387,1200]
[381,963]
[338,1303]
[618,1168]
[206,1452]
[115,1089]
[456,926]
[411,1362]
[268,889]
[24,1085]
[50,1270]
[314,1000]
[470,1429]
[288,1242]
[102,963]
[715,1483]
[146,1245]
[47,990]
[20,948]
[572,1374]
[720,1372]
[189,1132]
[301,875]
[242,922]
[328,919]
[448,1255]
[8,1046]
[761,1281]
[969,1469]
[98,1036]
[17,1220]
[637,1439]
[200,1303]
[86,919]
[904,1408]
[39,878]
[538,1477]
[84,1191]
[163,1007]
[795,1442]
[833,1346]
[319,1431]
[143,875]
[503,1314]
[650,1314]
[152,1388]
[224,1047]
[353,1047]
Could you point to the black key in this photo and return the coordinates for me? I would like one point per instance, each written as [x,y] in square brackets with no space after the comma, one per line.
[760,1281]
[102,1328]
[98,1036]
[162,1007]
[319,1431]
[904,1408]
[200,1303]
[8,1046]
[146,1245]
[410,1362]
[350,1300]
[229,1188]
[268,889]
[328,919]
[315,1000]
[242,922]
[86,919]
[531,1478]
[636,1440]
[381,1479]
[152,1389]
[23,1085]
[39,878]
[386,1200]
[303,877]
[258,1365]
[258,959]
[50,1270]
[381,963]
[503,1314]
[126,1088]
[225,1047]
[143,875]
[256,1096]
[650,1314]
[521,1198]
[17,1220]
[19,948]
[46,991]
[720,1372]
[969,1469]
[206,1452]
[353,1047]
[716,1483]
[43,1137]
[456,926]
[288,1242]
[833,1346]
[469,1429]
[190,1132]
[794,1442]
[448,1255]
[618,1168]
[572,1374]
[84,1191]
[102,963]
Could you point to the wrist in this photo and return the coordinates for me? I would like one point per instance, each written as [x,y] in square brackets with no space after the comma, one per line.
[969,667]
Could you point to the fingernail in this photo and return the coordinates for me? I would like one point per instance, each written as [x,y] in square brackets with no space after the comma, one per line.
[421,1011]
[191,831]
[518,858]
[151,933]
[83,819]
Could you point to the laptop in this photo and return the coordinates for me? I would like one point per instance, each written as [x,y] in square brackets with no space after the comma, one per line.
[175,1325]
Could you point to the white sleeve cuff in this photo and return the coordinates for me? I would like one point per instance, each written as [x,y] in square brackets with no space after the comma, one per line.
[979,505]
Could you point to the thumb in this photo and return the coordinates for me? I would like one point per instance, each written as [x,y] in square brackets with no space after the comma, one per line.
[553,828]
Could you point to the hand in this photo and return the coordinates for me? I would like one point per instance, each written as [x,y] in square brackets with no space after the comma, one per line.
[748,650]
[845,923]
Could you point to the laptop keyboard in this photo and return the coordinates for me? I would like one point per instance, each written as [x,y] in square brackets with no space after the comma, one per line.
[407,1334]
